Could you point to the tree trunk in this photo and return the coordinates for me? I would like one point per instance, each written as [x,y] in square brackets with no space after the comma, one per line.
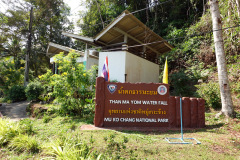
[26,73]
[238,8]
[100,13]
[229,11]
[204,8]
[147,15]
[226,99]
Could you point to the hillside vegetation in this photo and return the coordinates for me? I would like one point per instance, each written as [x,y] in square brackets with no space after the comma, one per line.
[56,128]
[187,25]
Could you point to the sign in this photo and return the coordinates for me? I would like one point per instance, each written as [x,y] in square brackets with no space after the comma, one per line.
[135,104]
[144,105]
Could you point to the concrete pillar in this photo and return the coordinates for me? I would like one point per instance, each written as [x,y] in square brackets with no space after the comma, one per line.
[194,112]
[100,102]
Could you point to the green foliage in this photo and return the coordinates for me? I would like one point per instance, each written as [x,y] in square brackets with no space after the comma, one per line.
[49,20]
[23,142]
[92,23]
[230,18]
[59,141]
[38,112]
[210,93]
[236,89]
[160,18]
[17,93]
[194,50]
[8,130]
[114,148]
[26,127]
[67,147]
[46,118]
[34,90]
[89,106]
[72,87]
[11,73]
[181,84]
[234,77]
[198,72]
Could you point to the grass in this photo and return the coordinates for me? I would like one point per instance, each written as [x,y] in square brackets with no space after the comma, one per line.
[24,142]
[8,130]
[62,138]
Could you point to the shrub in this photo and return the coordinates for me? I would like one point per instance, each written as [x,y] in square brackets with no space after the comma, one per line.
[17,93]
[73,86]
[33,90]
[11,73]
[210,93]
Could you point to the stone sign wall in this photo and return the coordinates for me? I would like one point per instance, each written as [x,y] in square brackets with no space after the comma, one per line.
[143,105]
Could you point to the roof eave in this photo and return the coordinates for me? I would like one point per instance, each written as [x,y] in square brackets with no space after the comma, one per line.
[60,47]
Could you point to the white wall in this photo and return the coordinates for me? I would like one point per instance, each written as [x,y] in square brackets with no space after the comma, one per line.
[136,68]
[91,62]
[116,64]
[80,59]
[141,70]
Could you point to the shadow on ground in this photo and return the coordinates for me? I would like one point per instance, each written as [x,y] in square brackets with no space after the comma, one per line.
[15,111]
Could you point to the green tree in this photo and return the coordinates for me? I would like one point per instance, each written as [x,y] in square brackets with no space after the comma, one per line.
[49,20]
[100,13]
[72,86]
[11,74]
[161,15]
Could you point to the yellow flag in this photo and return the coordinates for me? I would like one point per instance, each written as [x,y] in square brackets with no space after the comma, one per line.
[165,73]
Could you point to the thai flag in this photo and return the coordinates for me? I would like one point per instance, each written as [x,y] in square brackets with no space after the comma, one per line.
[105,70]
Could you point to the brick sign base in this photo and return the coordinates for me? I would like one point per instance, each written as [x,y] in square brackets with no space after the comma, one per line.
[144,105]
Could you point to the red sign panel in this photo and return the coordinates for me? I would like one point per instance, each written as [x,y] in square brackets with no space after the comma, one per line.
[138,104]
[144,105]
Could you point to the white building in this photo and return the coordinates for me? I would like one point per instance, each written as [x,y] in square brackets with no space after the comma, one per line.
[88,57]
[132,48]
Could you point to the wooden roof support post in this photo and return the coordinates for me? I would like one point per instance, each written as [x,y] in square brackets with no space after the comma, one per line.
[144,49]
[125,38]
[86,47]
[124,33]
[86,55]
[125,46]
[143,52]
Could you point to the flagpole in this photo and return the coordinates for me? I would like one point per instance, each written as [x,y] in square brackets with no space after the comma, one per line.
[165,73]
[181,117]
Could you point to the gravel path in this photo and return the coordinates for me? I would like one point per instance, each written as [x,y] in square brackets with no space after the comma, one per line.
[15,111]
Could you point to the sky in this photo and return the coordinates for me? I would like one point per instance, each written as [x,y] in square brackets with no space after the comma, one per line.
[76,6]
[3,7]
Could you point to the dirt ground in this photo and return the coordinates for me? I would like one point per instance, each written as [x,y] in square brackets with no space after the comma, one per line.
[14,111]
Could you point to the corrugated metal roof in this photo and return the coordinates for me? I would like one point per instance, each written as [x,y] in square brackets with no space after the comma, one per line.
[142,41]
[88,40]
[137,32]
